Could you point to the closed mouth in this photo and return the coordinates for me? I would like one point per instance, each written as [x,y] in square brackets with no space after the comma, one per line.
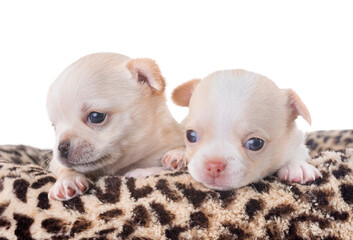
[218,187]
[91,165]
[216,183]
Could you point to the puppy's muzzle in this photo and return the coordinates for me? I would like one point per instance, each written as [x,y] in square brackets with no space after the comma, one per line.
[214,167]
[64,148]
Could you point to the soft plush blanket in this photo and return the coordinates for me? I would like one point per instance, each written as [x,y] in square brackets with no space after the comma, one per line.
[173,206]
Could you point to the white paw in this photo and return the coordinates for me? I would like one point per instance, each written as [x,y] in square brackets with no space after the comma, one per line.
[143,172]
[299,172]
[68,187]
[174,159]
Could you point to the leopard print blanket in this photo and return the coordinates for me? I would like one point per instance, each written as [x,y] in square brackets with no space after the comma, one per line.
[173,206]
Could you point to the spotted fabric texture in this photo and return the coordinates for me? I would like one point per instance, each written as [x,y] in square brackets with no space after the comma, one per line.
[336,140]
[21,154]
[173,206]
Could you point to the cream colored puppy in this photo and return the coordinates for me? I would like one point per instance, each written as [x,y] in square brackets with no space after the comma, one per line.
[110,117]
[241,128]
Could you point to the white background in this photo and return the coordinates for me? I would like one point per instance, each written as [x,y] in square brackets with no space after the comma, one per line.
[304,45]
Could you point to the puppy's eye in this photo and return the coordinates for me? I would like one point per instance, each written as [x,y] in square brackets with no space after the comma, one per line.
[96,117]
[254,144]
[192,136]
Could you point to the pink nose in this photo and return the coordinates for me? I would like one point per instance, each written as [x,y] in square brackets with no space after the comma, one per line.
[215,167]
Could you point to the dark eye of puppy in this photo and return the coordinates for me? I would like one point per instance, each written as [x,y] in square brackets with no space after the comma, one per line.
[96,117]
[192,136]
[254,144]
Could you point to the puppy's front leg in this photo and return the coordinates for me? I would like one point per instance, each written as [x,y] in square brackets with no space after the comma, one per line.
[68,185]
[143,172]
[298,170]
[175,159]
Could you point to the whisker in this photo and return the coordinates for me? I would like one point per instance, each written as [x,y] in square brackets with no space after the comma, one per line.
[45,161]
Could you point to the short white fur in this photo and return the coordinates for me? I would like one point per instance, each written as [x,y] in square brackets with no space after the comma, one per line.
[226,109]
[138,129]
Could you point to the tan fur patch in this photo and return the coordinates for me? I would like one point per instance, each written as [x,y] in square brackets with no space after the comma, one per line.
[298,107]
[147,68]
[182,94]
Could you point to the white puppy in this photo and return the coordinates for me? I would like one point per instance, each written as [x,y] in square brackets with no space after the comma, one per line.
[240,128]
[110,117]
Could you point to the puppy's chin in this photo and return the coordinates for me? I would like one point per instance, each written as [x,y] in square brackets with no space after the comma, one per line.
[86,166]
[225,182]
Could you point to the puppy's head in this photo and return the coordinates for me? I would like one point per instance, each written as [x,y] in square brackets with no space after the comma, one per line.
[100,106]
[238,126]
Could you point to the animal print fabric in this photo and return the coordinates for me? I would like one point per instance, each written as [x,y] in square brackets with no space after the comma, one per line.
[173,206]
[329,140]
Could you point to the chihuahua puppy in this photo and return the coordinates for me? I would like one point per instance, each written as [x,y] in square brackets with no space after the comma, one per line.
[110,117]
[241,128]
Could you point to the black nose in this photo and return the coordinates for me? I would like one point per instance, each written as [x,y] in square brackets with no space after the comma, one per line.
[64,148]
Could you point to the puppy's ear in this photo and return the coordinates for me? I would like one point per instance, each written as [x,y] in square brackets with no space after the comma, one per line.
[182,94]
[297,107]
[146,71]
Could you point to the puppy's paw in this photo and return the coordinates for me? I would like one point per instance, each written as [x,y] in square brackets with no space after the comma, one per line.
[143,172]
[299,172]
[175,159]
[68,187]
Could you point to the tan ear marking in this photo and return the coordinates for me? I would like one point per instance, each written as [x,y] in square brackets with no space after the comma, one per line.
[297,106]
[182,94]
[146,70]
